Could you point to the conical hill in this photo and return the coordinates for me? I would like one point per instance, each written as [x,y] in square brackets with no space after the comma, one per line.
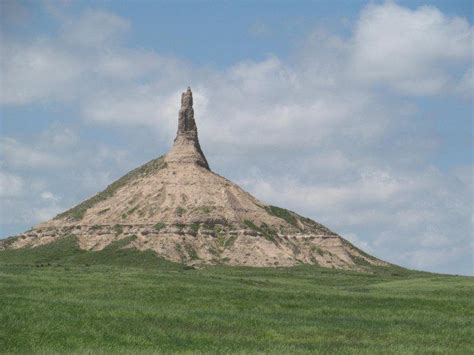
[177,207]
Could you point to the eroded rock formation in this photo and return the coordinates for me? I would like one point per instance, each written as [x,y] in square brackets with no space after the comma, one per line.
[175,206]
[186,148]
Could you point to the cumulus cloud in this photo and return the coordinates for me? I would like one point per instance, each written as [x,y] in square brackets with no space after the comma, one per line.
[16,154]
[413,51]
[37,71]
[59,136]
[138,105]
[93,28]
[46,173]
[23,201]
[84,58]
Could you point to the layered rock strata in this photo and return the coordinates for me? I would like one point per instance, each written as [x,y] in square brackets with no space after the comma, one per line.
[177,207]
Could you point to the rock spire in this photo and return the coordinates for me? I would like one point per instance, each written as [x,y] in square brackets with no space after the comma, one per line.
[186,123]
[186,148]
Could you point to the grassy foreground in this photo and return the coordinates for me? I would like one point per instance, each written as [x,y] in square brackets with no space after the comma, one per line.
[57,298]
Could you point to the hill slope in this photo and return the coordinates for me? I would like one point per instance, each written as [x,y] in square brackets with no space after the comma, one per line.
[178,208]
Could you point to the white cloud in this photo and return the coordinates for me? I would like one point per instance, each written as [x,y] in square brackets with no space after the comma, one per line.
[137,106]
[20,155]
[94,28]
[411,50]
[35,194]
[22,201]
[430,258]
[48,196]
[37,71]
[83,59]
[59,136]
[127,64]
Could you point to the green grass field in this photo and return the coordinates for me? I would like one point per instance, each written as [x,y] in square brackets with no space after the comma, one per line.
[59,299]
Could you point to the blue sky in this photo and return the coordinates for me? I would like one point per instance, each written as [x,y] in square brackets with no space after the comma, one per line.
[356,114]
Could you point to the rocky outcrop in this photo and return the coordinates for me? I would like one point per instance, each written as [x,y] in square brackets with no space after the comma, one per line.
[205,243]
[186,124]
[177,207]
[186,148]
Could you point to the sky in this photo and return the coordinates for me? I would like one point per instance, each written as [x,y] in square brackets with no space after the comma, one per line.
[356,114]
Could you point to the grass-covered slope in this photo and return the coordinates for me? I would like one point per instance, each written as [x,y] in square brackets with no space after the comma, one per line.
[57,298]
[66,252]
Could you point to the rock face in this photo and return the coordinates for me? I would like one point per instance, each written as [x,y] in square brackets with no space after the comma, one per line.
[176,206]
[186,149]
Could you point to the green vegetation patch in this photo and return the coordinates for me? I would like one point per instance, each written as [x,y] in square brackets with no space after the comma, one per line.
[159,226]
[131,210]
[205,209]
[359,261]
[315,225]
[268,232]
[8,241]
[191,251]
[180,211]
[179,250]
[219,229]
[180,226]
[66,251]
[104,211]
[194,227]
[360,251]
[118,229]
[282,213]
[214,251]
[226,242]
[251,225]
[77,212]
[318,250]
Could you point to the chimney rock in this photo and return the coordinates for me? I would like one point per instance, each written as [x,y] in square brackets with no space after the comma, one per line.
[186,148]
